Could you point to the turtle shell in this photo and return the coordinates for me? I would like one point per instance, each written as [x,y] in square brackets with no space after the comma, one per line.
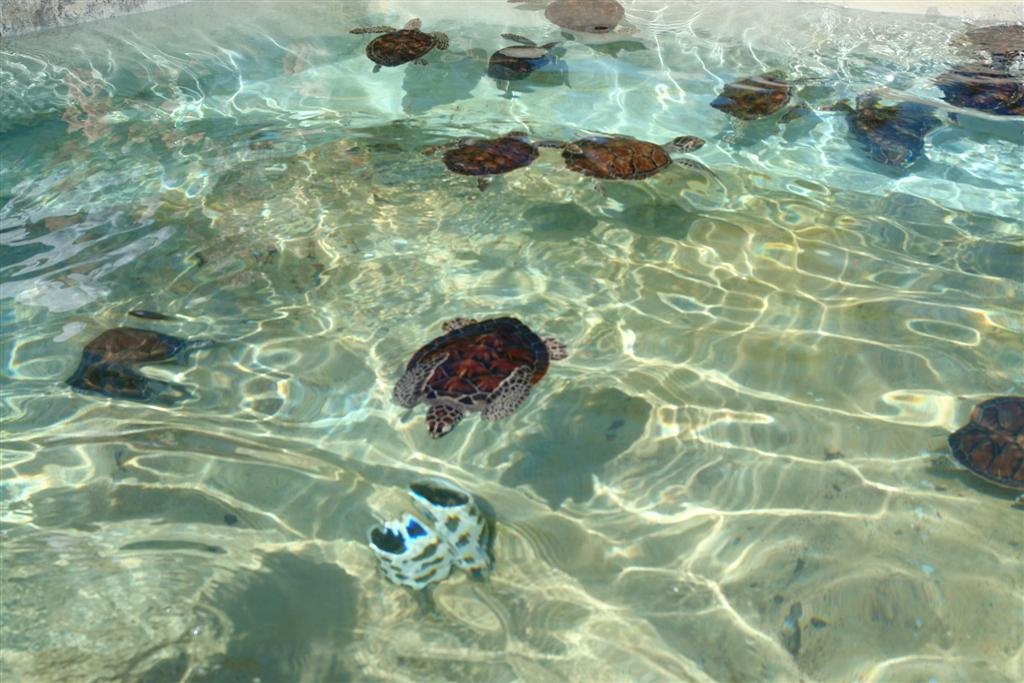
[490,157]
[1004,42]
[615,158]
[399,47]
[479,357]
[585,16]
[754,97]
[517,62]
[984,88]
[891,135]
[991,444]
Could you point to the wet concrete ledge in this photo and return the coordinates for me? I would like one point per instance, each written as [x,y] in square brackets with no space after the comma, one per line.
[25,16]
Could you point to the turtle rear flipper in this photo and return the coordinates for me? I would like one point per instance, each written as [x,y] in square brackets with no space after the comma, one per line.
[413,25]
[556,349]
[510,394]
[373,29]
[442,418]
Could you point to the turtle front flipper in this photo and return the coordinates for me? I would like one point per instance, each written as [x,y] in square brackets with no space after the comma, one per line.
[697,166]
[556,349]
[413,25]
[373,29]
[440,40]
[518,39]
[510,394]
[442,418]
[409,389]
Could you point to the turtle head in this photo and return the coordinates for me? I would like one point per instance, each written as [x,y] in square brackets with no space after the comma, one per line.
[686,143]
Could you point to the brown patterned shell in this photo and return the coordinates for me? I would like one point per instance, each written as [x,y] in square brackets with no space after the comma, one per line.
[399,47]
[615,158]
[490,157]
[586,16]
[754,97]
[985,88]
[992,444]
[478,357]
[1002,41]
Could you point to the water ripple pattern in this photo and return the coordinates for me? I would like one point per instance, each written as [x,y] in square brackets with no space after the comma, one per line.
[740,473]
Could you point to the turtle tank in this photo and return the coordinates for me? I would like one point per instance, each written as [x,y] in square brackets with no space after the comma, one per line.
[586,340]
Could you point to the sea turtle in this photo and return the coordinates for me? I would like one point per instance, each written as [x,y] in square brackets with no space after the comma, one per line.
[108,364]
[585,16]
[756,97]
[991,444]
[398,46]
[990,89]
[620,157]
[891,135]
[516,62]
[487,366]
[1002,43]
[485,158]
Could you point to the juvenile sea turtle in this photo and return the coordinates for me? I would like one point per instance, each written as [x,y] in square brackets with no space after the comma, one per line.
[516,62]
[991,444]
[398,46]
[756,97]
[485,158]
[621,157]
[990,89]
[1002,43]
[487,366]
[108,364]
[891,135]
[585,16]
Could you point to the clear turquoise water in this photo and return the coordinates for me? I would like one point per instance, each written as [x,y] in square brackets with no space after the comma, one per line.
[762,372]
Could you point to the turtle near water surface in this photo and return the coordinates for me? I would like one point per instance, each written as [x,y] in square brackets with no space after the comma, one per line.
[621,157]
[754,97]
[892,135]
[488,366]
[488,157]
[516,62]
[585,16]
[398,46]
[991,89]
[991,444]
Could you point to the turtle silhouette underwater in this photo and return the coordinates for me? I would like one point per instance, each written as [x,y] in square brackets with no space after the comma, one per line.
[1002,44]
[398,46]
[892,135]
[620,157]
[109,364]
[516,62]
[759,97]
[585,16]
[991,444]
[488,157]
[488,366]
[991,89]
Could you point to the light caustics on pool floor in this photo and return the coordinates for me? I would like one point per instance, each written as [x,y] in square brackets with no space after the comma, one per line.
[738,474]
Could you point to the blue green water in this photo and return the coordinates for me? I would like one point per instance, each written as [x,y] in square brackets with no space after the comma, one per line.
[762,371]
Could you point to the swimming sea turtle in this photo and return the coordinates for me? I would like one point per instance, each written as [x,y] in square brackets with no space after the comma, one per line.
[398,46]
[585,16]
[891,135]
[108,364]
[487,366]
[621,157]
[485,158]
[516,62]
[759,96]
[986,88]
[1002,43]
[991,444]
